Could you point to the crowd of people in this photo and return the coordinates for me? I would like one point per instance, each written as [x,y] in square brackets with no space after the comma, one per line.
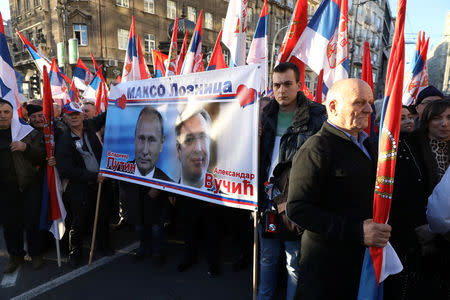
[317,174]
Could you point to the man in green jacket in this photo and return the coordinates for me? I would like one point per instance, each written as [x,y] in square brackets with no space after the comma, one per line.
[21,186]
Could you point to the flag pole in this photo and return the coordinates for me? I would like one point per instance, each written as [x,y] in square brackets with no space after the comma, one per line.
[255,254]
[94,230]
[58,251]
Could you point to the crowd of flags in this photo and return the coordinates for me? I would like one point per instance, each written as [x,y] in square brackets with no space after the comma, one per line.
[322,44]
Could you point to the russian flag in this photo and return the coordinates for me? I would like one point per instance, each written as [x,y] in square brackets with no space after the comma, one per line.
[194,56]
[81,75]
[258,52]
[131,63]
[217,61]
[324,42]
[379,263]
[235,31]
[159,63]
[417,79]
[172,67]
[91,91]
[53,212]
[8,87]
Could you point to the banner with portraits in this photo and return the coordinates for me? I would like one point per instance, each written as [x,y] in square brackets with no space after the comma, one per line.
[194,135]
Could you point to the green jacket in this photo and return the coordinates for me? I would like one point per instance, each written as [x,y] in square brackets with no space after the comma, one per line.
[29,162]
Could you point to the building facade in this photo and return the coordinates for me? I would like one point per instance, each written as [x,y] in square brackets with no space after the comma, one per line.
[438,61]
[102,28]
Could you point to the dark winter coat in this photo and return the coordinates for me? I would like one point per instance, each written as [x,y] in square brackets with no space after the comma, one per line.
[308,119]
[330,195]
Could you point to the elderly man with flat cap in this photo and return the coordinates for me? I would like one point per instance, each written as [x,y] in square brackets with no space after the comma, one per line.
[334,175]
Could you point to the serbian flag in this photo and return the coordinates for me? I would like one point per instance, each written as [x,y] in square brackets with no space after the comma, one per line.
[8,88]
[324,42]
[73,93]
[94,62]
[53,212]
[98,99]
[39,59]
[182,55]
[297,25]
[131,62]
[172,67]
[143,68]
[379,263]
[81,75]
[57,82]
[217,61]
[417,79]
[319,96]
[158,63]
[91,91]
[367,76]
[258,52]
[193,58]
[235,31]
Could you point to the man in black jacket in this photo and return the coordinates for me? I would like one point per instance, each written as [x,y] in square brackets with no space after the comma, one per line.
[334,176]
[78,154]
[287,122]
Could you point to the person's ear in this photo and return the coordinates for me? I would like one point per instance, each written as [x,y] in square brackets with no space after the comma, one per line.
[332,106]
[299,85]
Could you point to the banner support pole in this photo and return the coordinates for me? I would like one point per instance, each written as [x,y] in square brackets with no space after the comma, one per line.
[255,254]
[94,230]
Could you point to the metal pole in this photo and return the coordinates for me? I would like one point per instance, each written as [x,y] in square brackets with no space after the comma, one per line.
[273,46]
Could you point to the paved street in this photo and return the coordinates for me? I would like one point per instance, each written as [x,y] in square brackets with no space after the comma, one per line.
[120,277]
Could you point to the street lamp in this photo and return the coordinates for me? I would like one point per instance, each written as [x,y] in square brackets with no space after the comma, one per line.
[273,46]
[62,9]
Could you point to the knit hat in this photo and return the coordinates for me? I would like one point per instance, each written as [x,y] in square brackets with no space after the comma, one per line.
[32,108]
[428,92]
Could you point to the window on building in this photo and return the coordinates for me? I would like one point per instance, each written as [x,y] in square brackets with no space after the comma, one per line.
[19,6]
[374,77]
[171,9]
[360,12]
[356,50]
[122,38]
[249,15]
[358,31]
[378,23]
[80,33]
[355,72]
[225,56]
[37,2]
[30,36]
[27,5]
[373,19]
[365,35]
[149,6]
[192,14]
[208,21]
[277,24]
[124,3]
[377,41]
[248,44]
[307,81]
[374,58]
[369,36]
[290,3]
[149,42]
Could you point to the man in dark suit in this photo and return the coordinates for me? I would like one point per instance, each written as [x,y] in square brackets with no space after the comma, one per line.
[147,207]
[331,195]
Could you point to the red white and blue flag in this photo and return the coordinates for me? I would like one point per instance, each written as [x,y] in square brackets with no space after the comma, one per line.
[131,63]
[367,76]
[182,55]
[193,62]
[93,88]
[39,59]
[172,57]
[417,79]
[258,52]
[53,212]
[297,25]
[57,83]
[143,68]
[159,60]
[8,87]
[324,42]
[73,93]
[81,75]
[235,31]
[379,263]
[217,60]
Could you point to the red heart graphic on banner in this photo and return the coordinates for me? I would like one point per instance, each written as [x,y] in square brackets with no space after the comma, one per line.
[245,95]
[121,102]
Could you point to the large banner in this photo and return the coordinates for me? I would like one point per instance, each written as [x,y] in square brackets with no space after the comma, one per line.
[194,135]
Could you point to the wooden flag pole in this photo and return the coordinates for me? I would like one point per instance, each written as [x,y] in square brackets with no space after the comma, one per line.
[255,254]
[94,230]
